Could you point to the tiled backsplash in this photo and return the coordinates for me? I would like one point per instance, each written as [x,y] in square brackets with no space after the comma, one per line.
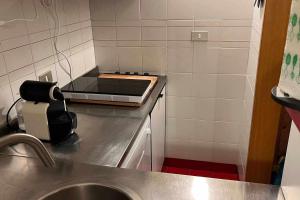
[26,48]
[206,80]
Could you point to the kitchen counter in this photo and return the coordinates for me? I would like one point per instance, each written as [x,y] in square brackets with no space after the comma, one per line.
[25,178]
[104,133]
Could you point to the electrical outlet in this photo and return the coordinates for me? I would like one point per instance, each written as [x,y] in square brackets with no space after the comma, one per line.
[46,77]
[200,36]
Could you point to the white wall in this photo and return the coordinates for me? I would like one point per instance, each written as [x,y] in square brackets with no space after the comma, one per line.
[26,48]
[250,87]
[291,176]
[206,80]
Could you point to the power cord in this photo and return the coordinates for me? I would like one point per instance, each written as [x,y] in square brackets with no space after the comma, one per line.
[7,115]
[51,8]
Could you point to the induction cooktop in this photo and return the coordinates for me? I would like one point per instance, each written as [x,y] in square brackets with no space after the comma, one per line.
[114,89]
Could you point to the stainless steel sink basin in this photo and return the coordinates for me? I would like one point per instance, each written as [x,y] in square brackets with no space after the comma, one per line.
[89,192]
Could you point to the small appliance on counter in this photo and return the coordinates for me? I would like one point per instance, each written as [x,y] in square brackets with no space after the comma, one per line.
[45,113]
[110,89]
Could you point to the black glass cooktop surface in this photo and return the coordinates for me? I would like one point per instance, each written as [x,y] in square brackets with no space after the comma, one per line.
[110,86]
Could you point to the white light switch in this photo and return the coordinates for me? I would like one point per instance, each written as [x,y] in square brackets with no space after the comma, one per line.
[199,35]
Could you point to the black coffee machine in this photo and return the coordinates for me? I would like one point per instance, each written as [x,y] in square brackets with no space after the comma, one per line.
[45,113]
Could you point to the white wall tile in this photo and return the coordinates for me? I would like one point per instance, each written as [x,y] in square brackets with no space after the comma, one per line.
[180,60]
[154,33]
[107,58]
[23,55]
[6,98]
[180,107]
[128,33]
[226,132]
[105,33]
[178,9]
[41,50]
[75,38]
[103,10]
[130,59]
[127,10]
[153,9]
[154,59]
[2,66]
[179,33]
[178,84]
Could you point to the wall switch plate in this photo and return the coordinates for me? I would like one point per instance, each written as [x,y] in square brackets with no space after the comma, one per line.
[46,77]
[199,35]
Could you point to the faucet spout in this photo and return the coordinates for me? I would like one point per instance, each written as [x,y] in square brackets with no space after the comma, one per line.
[33,142]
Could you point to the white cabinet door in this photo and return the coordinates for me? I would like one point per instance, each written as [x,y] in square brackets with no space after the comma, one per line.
[139,156]
[158,128]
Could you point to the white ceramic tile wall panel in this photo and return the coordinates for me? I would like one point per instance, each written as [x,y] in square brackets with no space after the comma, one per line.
[84,9]
[206,58]
[154,33]
[107,58]
[130,59]
[180,60]
[75,38]
[229,110]
[105,33]
[178,148]
[36,37]
[204,85]
[71,8]
[86,34]
[235,33]
[127,10]
[179,33]
[128,33]
[180,107]
[154,59]
[2,66]
[32,11]
[18,74]
[226,153]
[226,132]
[103,10]
[177,127]
[78,67]
[180,84]
[230,86]
[63,42]
[233,60]
[41,50]
[62,77]
[205,109]
[6,98]
[177,9]
[18,58]
[153,9]
[15,42]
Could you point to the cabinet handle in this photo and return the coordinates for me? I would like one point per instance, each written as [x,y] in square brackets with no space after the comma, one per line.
[160,95]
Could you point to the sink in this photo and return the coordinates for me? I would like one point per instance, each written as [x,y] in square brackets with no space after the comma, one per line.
[88,192]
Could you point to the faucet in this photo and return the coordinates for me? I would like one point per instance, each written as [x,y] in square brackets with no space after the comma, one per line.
[32,141]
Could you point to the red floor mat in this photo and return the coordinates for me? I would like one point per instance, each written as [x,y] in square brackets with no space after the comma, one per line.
[200,168]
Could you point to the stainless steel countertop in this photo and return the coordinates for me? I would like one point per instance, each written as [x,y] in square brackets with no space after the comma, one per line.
[25,178]
[105,132]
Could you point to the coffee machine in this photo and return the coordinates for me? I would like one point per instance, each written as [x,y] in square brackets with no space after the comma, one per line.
[45,112]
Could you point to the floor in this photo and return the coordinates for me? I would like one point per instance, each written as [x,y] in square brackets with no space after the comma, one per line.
[200,168]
